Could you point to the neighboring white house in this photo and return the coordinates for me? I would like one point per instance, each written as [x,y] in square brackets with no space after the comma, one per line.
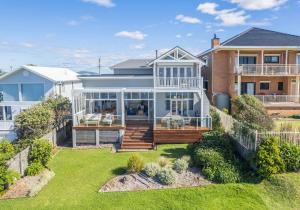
[164,94]
[29,85]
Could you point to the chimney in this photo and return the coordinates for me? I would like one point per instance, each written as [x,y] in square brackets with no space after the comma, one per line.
[215,42]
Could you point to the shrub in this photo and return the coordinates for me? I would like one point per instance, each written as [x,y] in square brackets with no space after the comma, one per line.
[12,177]
[34,122]
[207,157]
[135,164]
[180,165]
[226,173]
[151,169]
[291,156]
[251,112]
[188,159]
[162,161]
[216,120]
[40,151]
[3,177]
[268,158]
[7,150]
[166,176]
[34,169]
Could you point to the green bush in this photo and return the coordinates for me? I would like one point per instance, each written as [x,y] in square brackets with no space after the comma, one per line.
[163,162]
[135,164]
[166,176]
[268,158]
[250,111]
[207,157]
[226,173]
[34,122]
[180,165]
[40,151]
[7,150]
[3,177]
[12,177]
[151,169]
[216,120]
[291,156]
[34,169]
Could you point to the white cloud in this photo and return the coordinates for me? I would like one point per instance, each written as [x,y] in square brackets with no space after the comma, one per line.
[208,8]
[27,44]
[189,34]
[131,34]
[187,19]
[138,46]
[178,36]
[220,30]
[228,17]
[104,3]
[259,4]
[232,18]
[73,23]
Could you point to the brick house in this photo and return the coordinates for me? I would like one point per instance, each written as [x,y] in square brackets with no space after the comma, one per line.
[258,62]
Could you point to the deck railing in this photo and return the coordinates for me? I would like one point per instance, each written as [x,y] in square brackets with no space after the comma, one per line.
[182,123]
[179,82]
[100,120]
[271,99]
[268,69]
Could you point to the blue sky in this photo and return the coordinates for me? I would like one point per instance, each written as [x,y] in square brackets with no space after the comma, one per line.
[74,33]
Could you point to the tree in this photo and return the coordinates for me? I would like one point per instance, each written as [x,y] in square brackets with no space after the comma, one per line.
[251,112]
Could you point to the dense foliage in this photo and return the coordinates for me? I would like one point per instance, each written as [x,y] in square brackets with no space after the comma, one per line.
[151,169]
[268,158]
[7,150]
[291,156]
[166,176]
[34,122]
[251,112]
[180,165]
[34,169]
[163,162]
[135,164]
[216,120]
[215,155]
[40,151]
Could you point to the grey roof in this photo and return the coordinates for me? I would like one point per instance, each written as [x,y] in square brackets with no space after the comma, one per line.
[263,37]
[133,64]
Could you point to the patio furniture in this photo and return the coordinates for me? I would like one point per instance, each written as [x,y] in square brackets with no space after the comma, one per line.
[108,120]
[92,119]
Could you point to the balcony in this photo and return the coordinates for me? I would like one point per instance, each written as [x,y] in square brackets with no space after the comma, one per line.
[279,100]
[178,82]
[268,70]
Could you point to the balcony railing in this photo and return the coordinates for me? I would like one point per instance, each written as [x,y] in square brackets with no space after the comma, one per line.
[268,69]
[183,123]
[275,99]
[179,82]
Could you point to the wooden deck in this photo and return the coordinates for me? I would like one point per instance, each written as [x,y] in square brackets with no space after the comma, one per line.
[171,136]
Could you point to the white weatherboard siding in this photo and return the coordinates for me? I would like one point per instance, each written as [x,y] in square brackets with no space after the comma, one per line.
[118,83]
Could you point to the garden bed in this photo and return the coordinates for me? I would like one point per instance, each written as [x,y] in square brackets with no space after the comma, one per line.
[29,186]
[139,181]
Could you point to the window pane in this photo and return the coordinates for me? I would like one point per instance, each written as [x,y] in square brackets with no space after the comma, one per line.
[271,59]
[32,92]
[1,113]
[173,95]
[10,92]
[191,105]
[135,96]
[112,95]
[144,95]
[8,113]
[264,86]
[96,96]
[150,95]
[167,105]
[104,95]
[179,95]
[168,95]
[161,72]
[127,95]
[181,72]
[189,72]
[185,95]
[168,72]
[280,85]
[175,72]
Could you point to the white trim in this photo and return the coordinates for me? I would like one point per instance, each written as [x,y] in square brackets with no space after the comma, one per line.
[116,77]
[264,81]
[273,54]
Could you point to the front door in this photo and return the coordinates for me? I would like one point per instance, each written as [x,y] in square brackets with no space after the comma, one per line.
[179,107]
[248,88]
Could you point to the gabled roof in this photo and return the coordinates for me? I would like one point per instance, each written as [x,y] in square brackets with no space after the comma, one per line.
[258,37]
[175,54]
[53,74]
[263,37]
[133,64]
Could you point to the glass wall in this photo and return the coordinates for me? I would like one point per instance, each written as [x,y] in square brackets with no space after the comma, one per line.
[5,113]
[10,92]
[32,92]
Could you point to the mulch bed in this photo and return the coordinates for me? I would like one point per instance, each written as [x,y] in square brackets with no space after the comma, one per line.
[136,182]
[28,186]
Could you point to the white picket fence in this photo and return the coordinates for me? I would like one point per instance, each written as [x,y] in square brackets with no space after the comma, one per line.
[249,138]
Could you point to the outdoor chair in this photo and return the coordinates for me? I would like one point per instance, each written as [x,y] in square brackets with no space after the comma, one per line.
[108,120]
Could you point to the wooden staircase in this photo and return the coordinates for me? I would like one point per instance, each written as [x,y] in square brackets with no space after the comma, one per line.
[138,136]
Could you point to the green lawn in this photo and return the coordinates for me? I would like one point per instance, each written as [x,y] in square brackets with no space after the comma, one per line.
[80,173]
[294,124]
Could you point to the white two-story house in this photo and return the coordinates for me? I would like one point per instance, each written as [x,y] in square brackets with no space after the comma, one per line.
[29,85]
[143,103]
